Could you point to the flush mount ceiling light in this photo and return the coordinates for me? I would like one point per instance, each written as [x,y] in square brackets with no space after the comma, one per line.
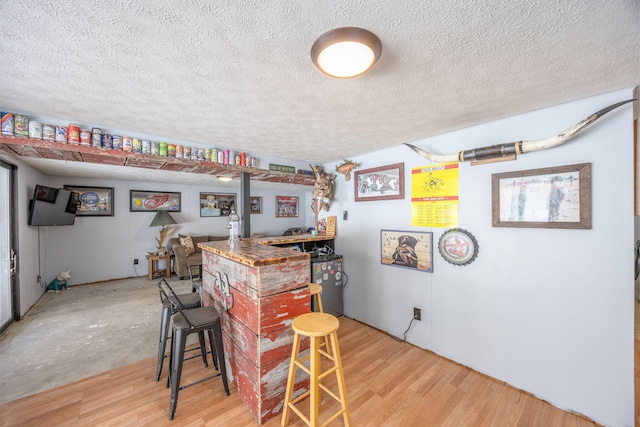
[225,178]
[346,52]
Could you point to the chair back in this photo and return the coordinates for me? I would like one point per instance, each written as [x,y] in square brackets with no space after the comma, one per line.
[167,293]
[195,274]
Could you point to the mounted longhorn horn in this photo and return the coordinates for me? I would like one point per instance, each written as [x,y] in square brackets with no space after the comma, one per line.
[518,147]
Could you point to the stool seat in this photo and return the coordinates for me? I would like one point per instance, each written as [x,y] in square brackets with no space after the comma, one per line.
[315,289]
[190,300]
[315,324]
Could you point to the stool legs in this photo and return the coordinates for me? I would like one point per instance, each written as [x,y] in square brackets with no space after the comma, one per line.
[346,414]
[164,332]
[314,389]
[179,340]
[319,302]
[291,382]
[176,359]
[219,354]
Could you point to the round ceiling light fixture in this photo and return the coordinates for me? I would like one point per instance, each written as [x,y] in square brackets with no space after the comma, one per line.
[346,52]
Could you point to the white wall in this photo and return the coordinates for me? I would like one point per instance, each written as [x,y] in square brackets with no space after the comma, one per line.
[103,248]
[549,311]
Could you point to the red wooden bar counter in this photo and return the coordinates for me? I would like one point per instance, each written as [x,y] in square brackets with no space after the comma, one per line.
[258,289]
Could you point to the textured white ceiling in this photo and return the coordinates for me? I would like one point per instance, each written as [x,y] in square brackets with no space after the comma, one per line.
[237,73]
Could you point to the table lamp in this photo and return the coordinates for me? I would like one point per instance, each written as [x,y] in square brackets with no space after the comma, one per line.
[166,221]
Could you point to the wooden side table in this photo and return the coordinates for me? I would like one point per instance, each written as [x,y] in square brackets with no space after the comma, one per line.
[153,265]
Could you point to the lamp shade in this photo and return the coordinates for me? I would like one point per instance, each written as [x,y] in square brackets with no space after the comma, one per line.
[162,218]
[346,52]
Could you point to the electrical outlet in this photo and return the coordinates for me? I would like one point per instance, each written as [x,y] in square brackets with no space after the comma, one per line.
[135,261]
[417,313]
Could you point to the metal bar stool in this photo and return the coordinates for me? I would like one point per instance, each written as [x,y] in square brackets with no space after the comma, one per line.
[188,301]
[186,322]
[315,326]
[196,279]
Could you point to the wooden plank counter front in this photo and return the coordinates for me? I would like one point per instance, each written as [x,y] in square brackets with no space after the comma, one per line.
[258,289]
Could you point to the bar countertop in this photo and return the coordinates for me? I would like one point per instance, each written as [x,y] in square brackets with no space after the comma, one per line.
[296,238]
[253,254]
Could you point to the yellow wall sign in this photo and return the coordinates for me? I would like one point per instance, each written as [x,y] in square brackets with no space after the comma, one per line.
[434,195]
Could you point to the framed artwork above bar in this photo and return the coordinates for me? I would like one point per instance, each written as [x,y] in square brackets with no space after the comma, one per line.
[94,201]
[153,201]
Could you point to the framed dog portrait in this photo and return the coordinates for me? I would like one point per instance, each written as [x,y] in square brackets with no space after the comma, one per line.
[408,249]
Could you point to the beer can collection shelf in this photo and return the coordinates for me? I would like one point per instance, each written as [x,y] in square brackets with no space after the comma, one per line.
[45,149]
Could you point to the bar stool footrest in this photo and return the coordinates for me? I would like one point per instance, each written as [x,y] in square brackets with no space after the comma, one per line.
[182,387]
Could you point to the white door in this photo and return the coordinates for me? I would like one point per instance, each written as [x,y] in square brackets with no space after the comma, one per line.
[8,257]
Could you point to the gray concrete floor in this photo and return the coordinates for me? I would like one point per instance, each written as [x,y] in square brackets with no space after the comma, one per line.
[79,332]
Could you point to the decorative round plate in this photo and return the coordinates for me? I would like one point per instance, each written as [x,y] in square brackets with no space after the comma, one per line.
[458,246]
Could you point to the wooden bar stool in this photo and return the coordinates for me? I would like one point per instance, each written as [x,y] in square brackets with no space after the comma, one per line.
[316,291]
[315,326]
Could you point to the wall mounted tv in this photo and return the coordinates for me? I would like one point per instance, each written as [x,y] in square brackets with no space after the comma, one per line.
[53,206]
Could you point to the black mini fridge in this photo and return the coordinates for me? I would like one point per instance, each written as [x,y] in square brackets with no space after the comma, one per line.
[326,270]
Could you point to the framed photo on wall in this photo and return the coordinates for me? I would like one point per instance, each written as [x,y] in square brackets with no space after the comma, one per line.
[556,197]
[255,206]
[409,249]
[94,201]
[217,204]
[153,201]
[381,183]
[286,206]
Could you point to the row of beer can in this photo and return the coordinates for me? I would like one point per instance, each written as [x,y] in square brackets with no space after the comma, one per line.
[20,125]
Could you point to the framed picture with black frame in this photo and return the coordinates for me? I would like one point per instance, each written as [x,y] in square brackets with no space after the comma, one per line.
[217,204]
[94,201]
[153,201]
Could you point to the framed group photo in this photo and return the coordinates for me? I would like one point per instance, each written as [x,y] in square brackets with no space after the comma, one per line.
[94,201]
[555,197]
[381,183]
[286,206]
[153,201]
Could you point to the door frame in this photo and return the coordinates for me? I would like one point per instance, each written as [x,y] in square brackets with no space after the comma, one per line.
[13,242]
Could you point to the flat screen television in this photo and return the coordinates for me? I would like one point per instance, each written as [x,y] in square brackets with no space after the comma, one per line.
[53,206]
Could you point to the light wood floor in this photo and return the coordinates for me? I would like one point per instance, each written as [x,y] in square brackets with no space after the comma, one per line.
[389,383]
